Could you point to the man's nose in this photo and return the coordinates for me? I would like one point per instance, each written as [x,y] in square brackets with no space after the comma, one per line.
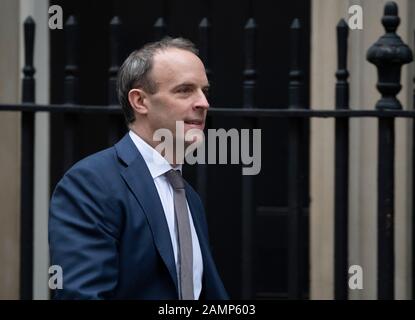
[202,101]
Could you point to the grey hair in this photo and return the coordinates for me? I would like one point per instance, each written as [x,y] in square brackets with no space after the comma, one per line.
[134,72]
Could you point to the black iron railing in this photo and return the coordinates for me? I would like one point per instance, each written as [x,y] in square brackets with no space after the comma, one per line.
[388,54]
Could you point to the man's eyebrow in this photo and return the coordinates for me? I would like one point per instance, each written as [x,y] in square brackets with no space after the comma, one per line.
[183,84]
[189,84]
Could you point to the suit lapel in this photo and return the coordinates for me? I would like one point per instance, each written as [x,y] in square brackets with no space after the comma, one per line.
[138,178]
[212,286]
[203,242]
[193,209]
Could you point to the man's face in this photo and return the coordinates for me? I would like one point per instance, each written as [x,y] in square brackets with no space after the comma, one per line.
[182,86]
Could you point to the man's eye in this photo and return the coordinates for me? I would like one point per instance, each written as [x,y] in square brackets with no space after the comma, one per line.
[184,90]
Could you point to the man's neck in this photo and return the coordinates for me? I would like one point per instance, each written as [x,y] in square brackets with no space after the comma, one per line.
[149,140]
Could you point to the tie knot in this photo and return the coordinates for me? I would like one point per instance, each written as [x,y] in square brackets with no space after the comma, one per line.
[175,179]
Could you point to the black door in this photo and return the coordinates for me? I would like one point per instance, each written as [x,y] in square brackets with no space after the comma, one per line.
[269,253]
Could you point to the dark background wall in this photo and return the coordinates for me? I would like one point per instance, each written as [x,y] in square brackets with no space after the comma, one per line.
[223,200]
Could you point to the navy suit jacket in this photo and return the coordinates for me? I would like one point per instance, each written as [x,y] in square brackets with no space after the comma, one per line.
[108,231]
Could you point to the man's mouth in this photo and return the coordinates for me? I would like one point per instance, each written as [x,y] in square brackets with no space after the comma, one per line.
[194,122]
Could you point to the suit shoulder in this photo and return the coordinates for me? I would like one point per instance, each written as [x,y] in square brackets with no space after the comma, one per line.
[97,160]
[99,168]
[95,163]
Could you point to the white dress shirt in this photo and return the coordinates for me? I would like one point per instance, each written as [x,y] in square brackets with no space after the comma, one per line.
[158,166]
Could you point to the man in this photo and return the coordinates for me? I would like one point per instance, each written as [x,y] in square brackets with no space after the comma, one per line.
[123,223]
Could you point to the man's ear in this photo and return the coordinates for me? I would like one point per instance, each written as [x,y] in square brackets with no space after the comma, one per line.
[136,98]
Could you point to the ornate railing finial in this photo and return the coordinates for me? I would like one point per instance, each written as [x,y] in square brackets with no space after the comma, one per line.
[388,54]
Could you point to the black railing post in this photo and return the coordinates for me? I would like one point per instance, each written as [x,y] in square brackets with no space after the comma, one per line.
[160,27]
[389,53]
[71,88]
[204,45]
[250,73]
[248,197]
[341,170]
[114,45]
[28,84]
[413,192]
[71,84]
[27,162]
[296,101]
[204,53]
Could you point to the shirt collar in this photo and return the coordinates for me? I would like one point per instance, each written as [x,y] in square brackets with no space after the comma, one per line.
[156,163]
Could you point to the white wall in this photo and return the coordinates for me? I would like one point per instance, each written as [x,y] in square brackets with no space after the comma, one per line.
[9,152]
